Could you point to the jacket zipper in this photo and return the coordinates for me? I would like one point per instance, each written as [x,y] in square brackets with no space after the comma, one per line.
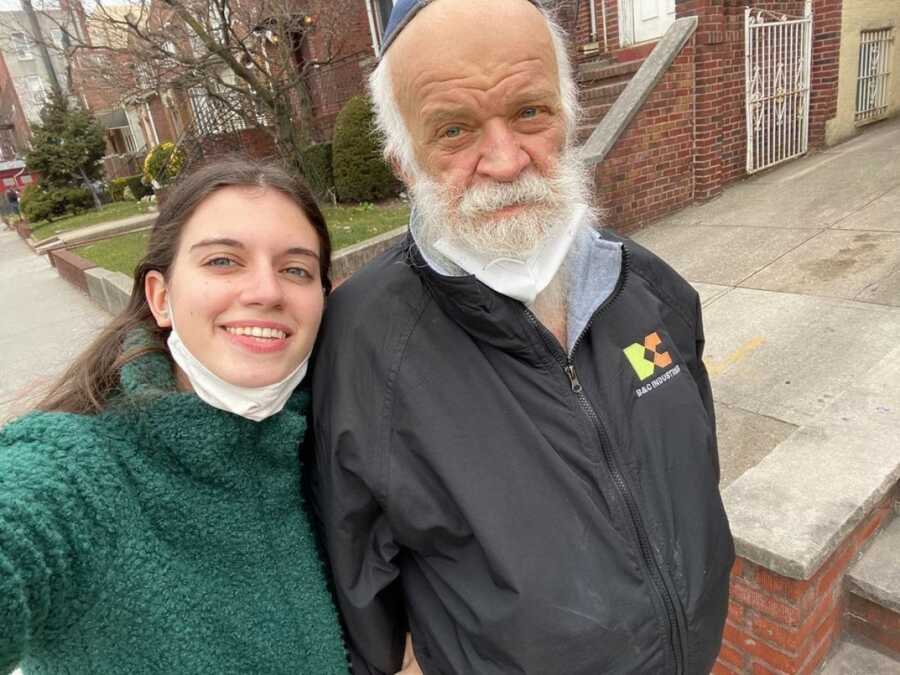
[656,575]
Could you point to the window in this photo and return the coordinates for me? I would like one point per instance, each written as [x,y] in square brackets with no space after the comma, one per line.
[36,89]
[873,81]
[26,179]
[379,15]
[57,38]
[22,45]
[9,182]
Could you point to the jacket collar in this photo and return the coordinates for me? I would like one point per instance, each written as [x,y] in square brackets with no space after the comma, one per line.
[482,312]
[596,267]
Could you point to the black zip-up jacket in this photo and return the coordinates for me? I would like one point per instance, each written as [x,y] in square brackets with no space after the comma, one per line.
[518,507]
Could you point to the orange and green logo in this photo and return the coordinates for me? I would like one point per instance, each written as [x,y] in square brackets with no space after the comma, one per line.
[646,358]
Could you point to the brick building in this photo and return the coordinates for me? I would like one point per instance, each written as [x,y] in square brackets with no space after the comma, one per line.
[689,138]
[14,129]
[687,141]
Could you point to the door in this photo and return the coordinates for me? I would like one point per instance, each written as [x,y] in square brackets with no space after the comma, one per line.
[644,20]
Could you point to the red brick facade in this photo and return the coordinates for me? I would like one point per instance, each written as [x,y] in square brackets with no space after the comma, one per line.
[782,626]
[689,140]
[14,130]
[650,170]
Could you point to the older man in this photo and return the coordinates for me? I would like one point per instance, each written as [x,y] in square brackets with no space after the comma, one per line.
[515,436]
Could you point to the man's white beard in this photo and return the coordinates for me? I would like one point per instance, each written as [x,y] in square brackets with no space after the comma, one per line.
[443,213]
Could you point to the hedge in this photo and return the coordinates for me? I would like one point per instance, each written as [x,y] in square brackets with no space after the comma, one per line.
[138,189]
[45,204]
[360,172]
[316,161]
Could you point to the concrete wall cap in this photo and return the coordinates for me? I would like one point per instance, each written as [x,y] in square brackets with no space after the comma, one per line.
[791,511]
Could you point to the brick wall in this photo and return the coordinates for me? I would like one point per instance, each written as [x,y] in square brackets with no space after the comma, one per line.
[71,267]
[650,170]
[579,28]
[874,623]
[721,125]
[782,626]
[342,42]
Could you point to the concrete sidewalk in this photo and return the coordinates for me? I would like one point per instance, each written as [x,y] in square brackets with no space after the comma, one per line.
[46,322]
[799,271]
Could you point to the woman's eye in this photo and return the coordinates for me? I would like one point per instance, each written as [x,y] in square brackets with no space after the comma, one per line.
[298,271]
[219,262]
[529,113]
[452,132]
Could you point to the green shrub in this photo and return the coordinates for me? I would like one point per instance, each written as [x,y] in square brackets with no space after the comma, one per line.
[162,164]
[34,203]
[45,204]
[316,160]
[116,189]
[138,187]
[129,188]
[360,172]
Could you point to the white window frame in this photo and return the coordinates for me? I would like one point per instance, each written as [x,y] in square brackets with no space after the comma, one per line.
[22,45]
[376,23]
[56,38]
[37,94]
[873,80]
[137,132]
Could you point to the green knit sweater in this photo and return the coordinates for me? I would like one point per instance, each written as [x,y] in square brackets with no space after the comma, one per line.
[163,536]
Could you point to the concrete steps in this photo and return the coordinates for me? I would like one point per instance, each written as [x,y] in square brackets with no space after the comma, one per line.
[601,83]
[873,583]
[852,658]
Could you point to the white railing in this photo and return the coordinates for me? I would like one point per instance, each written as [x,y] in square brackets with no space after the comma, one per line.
[778,57]
[873,81]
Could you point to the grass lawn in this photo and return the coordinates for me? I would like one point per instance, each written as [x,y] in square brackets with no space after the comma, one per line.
[348,224]
[114,211]
[352,224]
[119,254]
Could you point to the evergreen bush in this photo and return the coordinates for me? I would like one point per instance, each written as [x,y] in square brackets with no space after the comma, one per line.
[116,189]
[129,188]
[360,172]
[48,203]
[316,161]
[138,187]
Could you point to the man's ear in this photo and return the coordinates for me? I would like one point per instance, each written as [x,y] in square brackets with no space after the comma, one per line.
[398,171]
[157,295]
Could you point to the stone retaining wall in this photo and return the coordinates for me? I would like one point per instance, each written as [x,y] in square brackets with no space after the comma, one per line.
[71,267]
[783,626]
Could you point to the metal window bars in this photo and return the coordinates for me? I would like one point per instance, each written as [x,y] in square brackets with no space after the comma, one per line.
[873,80]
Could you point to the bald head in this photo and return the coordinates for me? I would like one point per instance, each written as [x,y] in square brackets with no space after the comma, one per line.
[466,44]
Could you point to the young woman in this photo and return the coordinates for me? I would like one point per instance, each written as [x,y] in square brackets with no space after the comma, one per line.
[150,512]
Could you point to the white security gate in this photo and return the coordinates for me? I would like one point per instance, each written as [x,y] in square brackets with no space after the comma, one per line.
[779,55]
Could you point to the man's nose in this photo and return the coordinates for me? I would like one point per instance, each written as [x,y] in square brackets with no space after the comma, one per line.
[263,287]
[502,157]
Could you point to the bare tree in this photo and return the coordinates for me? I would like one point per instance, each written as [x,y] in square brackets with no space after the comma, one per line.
[245,63]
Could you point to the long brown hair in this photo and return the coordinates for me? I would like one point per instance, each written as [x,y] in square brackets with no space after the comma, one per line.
[86,385]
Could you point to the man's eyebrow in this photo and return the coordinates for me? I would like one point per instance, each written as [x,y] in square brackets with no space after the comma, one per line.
[535,96]
[220,241]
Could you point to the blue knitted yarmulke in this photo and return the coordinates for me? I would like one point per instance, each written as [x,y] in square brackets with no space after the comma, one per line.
[405,11]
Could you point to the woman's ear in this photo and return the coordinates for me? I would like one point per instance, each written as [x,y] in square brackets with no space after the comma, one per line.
[157,295]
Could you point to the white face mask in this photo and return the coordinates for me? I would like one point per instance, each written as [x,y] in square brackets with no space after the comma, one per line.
[521,279]
[253,403]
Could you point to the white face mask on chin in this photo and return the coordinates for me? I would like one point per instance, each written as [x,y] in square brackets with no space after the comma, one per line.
[520,279]
[252,403]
